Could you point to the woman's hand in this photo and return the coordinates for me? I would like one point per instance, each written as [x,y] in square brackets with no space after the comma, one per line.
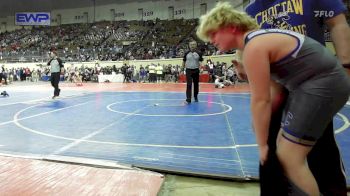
[263,151]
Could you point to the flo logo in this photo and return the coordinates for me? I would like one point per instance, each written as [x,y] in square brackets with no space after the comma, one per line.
[323,13]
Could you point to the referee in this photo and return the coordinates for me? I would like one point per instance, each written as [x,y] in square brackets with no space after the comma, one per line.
[56,70]
[191,62]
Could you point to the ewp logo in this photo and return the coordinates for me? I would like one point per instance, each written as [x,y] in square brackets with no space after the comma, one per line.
[37,18]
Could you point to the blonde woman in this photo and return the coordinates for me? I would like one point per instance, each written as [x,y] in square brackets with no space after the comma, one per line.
[318,85]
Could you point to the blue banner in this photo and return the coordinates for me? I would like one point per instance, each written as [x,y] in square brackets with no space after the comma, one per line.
[33,18]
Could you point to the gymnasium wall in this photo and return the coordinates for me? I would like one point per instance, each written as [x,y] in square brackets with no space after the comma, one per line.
[175,61]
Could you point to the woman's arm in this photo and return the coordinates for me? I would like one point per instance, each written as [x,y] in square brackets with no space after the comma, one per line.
[257,67]
[340,33]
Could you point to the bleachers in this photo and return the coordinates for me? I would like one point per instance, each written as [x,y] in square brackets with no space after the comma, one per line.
[100,41]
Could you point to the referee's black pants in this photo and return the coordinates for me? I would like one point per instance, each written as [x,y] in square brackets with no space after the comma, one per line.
[192,75]
[55,79]
[2,75]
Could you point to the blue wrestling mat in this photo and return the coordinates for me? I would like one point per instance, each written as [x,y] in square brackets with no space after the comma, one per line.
[151,130]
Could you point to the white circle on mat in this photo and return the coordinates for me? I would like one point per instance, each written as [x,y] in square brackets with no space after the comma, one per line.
[227,108]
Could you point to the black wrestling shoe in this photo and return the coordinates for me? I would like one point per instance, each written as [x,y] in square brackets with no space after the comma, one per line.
[5,94]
